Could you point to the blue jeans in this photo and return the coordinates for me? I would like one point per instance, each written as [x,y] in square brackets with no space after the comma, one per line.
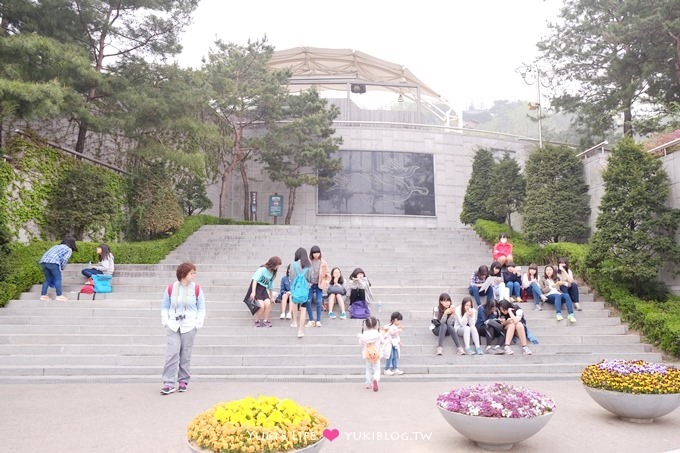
[476,293]
[557,300]
[572,291]
[52,273]
[536,291]
[515,289]
[90,272]
[392,361]
[314,290]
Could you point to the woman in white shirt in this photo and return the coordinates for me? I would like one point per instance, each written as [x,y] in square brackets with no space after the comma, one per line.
[466,318]
[105,265]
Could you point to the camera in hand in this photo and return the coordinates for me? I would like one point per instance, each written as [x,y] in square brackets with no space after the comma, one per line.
[179,318]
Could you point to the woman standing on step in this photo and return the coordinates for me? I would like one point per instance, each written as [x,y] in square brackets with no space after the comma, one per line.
[182,315]
[259,296]
[300,266]
[53,262]
[320,276]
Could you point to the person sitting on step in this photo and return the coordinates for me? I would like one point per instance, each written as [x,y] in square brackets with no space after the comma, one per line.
[512,277]
[512,319]
[446,317]
[490,327]
[502,251]
[465,326]
[569,285]
[550,287]
[336,293]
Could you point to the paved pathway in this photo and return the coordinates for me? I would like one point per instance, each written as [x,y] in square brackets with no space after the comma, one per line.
[136,418]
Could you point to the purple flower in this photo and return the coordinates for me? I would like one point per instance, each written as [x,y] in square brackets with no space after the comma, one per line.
[496,400]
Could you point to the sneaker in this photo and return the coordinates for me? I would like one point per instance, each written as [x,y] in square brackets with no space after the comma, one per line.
[577,306]
[289,316]
[389,373]
[488,349]
[544,298]
[182,386]
[498,350]
[257,323]
[538,308]
[526,350]
[375,385]
[439,350]
[61,298]
[167,389]
[300,334]
[343,315]
[310,324]
[479,351]
[507,350]
[293,324]
[461,351]
[559,316]
[266,323]
[398,372]
[283,316]
[331,315]
[469,351]
[571,318]
[45,297]
[318,324]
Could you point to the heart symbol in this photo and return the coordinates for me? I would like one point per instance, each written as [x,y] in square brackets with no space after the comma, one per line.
[331,434]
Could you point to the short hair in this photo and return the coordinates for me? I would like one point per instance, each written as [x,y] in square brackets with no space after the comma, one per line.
[356,272]
[396,315]
[184,269]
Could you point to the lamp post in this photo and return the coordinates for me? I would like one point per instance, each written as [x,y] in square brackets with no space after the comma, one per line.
[531,74]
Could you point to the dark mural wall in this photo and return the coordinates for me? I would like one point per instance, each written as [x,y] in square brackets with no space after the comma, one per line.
[381,183]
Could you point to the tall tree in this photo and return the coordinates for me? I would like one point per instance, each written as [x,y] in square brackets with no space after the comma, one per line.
[505,193]
[246,96]
[613,57]
[556,204]
[113,32]
[474,203]
[635,234]
[299,150]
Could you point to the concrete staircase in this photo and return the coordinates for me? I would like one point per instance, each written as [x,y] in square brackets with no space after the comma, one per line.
[118,336]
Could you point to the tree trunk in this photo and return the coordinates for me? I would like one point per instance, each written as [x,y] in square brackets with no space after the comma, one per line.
[246,193]
[82,134]
[224,190]
[291,205]
[627,122]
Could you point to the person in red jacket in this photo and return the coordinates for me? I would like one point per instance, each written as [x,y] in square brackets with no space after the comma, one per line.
[502,251]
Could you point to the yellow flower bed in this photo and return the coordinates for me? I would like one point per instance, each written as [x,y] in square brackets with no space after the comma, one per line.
[632,376]
[253,425]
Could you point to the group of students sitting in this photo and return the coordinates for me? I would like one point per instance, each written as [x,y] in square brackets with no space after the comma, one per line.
[505,281]
[498,322]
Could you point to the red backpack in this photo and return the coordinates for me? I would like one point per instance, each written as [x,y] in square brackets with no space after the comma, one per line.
[197,289]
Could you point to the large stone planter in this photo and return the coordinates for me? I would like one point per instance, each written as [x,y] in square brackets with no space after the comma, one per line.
[308,449]
[493,433]
[634,407]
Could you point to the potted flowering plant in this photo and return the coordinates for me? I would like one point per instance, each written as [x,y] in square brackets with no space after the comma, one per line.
[496,416]
[634,390]
[263,424]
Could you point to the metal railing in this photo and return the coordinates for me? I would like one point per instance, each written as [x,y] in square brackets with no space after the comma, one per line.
[665,147]
[600,146]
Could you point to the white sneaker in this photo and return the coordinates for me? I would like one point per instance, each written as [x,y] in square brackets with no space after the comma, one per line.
[310,324]
[439,350]
[508,350]
[526,350]
[288,316]
[389,373]
[318,324]
[44,297]
[283,316]
[577,306]
[398,372]
[293,324]
[61,298]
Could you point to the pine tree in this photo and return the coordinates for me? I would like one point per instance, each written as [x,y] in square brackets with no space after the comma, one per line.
[556,204]
[474,203]
[635,229]
[506,189]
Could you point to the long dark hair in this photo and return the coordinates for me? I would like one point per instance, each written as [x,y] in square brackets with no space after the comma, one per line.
[440,308]
[301,256]
[483,270]
[70,242]
[341,280]
[465,300]
[106,251]
[493,266]
[489,308]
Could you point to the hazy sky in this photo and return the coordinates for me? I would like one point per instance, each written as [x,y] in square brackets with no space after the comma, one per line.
[465,50]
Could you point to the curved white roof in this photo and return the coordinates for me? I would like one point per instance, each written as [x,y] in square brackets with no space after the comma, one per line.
[328,67]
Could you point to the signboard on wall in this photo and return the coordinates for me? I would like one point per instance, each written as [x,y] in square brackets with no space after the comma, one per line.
[381,183]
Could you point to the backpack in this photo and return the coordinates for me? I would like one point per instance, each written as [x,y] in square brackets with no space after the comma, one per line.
[299,289]
[372,353]
[359,310]
[197,289]
[102,283]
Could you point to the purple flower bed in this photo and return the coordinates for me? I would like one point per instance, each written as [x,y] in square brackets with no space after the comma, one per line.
[496,400]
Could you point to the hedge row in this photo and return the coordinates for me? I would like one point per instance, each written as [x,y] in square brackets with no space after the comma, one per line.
[24,271]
